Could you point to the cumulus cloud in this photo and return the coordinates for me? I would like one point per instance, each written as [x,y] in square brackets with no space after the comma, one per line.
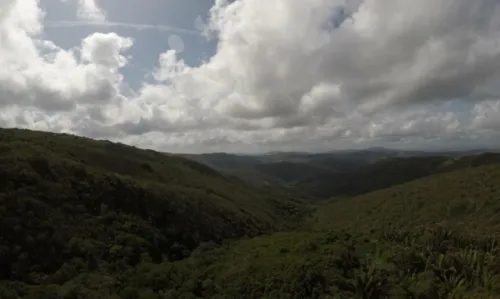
[487,115]
[286,74]
[388,52]
[39,78]
[89,10]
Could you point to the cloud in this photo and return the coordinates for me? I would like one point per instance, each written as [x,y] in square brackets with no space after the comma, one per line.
[58,86]
[431,51]
[349,72]
[487,115]
[105,50]
[89,10]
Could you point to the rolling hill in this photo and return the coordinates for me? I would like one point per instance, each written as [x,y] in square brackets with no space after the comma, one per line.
[431,238]
[342,174]
[468,198]
[87,219]
[66,199]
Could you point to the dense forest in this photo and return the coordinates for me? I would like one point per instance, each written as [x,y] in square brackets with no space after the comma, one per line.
[81,218]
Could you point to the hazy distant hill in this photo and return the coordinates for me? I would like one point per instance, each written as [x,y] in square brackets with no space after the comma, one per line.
[342,173]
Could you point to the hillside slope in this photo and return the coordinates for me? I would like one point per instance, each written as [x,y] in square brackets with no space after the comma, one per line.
[86,219]
[67,200]
[323,176]
[387,172]
[468,198]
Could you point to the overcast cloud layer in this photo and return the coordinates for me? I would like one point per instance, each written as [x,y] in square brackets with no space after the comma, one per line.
[287,75]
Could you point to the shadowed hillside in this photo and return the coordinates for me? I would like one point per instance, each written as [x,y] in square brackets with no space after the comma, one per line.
[67,200]
[388,172]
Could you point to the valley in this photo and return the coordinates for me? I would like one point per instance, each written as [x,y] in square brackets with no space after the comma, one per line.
[81,218]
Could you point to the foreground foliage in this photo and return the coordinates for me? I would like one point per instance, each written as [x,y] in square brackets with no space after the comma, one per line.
[427,263]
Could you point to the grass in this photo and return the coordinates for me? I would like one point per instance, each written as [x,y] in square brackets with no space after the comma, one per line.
[468,198]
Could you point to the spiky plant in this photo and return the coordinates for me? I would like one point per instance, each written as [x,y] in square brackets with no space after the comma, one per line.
[475,266]
[451,282]
[347,262]
[409,261]
[439,239]
[490,245]
[371,282]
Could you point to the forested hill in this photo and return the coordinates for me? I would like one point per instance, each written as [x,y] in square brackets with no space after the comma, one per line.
[87,219]
[67,200]
[344,173]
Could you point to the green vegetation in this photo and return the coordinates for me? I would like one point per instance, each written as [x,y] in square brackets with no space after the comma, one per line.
[67,202]
[466,198]
[81,219]
[430,263]
[323,176]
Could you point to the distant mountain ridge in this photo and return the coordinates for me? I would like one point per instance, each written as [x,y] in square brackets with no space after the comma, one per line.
[339,173]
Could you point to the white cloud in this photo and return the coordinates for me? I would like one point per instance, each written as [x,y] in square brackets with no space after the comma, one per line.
[89,10]
[286,74]
[487,115]
[105,50]
[58,86]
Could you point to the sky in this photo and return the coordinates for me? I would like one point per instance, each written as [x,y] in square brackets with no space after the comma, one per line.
[255,75]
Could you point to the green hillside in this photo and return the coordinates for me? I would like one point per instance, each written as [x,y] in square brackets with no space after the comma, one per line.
[431,263]
[387,172]
[67,200]
[468,198]
[87,219]
[323,176]
[433,238]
